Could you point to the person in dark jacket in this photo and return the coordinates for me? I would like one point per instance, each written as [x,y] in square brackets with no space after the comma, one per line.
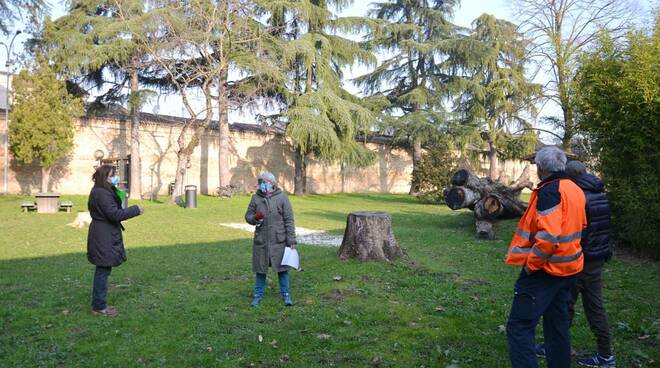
[105,245]
[271,212]
[596,248]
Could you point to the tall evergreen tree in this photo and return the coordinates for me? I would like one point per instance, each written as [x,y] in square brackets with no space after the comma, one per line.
[320,116]
[492,93]
[191,47]
[93,47]
[42,115]
[414,35]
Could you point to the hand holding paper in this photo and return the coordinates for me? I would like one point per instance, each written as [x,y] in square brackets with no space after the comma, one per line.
[291,258]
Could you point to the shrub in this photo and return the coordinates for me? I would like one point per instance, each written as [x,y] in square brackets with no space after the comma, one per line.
[619,106]
[434,172]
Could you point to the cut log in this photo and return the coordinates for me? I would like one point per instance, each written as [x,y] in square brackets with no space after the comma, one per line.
[368,237]
[489,208]
[485,230]
[461,197]
[464,178]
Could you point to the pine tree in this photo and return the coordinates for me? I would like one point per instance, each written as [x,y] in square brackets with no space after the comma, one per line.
[42,116]
[319,115]
[493,94]
[191,47]
[415,36]
[91,44]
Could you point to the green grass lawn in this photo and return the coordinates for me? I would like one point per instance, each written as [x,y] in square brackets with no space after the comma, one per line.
[183,295]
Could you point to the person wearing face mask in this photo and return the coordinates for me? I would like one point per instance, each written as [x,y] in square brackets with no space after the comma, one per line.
[105,245]
[271,212]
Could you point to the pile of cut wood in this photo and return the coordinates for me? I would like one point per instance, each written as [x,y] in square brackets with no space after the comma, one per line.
[488,199]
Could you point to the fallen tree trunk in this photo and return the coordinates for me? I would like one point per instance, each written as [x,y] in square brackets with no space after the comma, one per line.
[490,200]
[461,197]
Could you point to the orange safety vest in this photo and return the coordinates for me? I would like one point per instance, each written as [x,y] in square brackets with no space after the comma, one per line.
[549,232]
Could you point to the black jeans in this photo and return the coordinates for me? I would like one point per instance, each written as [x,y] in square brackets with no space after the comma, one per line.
[590,286]
[100,289]
[536,295]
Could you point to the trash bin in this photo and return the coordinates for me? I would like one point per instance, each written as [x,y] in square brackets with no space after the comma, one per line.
[191,196]
[170,188]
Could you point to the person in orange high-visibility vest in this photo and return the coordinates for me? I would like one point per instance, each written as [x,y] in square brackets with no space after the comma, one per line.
[547,245]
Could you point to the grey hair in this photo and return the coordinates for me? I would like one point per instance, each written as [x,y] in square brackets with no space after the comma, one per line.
[267,175]
[550,159]
[575,168]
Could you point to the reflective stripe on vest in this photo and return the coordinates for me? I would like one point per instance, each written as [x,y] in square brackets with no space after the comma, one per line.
[558,238]
[539,253]
[525,234]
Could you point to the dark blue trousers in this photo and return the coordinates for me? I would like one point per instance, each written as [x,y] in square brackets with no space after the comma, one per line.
[100,289]
[535,296]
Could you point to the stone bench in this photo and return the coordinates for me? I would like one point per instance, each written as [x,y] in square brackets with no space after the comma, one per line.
[28,206]
[67,205]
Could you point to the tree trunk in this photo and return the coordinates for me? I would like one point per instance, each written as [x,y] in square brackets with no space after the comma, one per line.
[464,177]
[184,155]
[181,167]
[223,129]
[489,208]
[492,160]
[566,103]
[300,180]
[490,200]
[368,237]
[45,179]
[417,158]
[461,197]
[135,188]
[569,129]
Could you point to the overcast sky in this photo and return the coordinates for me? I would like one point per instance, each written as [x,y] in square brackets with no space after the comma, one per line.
[468,11]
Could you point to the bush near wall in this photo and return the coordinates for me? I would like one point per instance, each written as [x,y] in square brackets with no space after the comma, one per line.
[619,107]
[434,173]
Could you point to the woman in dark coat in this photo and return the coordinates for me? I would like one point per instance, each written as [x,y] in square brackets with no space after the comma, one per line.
[105,245]
[271,212]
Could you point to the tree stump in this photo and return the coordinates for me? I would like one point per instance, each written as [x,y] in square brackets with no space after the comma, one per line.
[368,237]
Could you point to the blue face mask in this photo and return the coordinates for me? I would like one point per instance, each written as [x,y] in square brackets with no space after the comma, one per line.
[114,180]
[265,187]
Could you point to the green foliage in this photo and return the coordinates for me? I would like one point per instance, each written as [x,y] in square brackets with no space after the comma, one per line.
[619,107]
[493,95]
[434,172]
[517,146]
[92,46]
[321,117]
[415,36]
[42,116]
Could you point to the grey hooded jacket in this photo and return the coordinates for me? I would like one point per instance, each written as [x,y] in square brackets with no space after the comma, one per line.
[275,233]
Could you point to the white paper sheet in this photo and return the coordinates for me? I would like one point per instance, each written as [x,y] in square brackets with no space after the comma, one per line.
[291,258]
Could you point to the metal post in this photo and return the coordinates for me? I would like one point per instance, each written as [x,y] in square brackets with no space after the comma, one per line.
[8,63]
